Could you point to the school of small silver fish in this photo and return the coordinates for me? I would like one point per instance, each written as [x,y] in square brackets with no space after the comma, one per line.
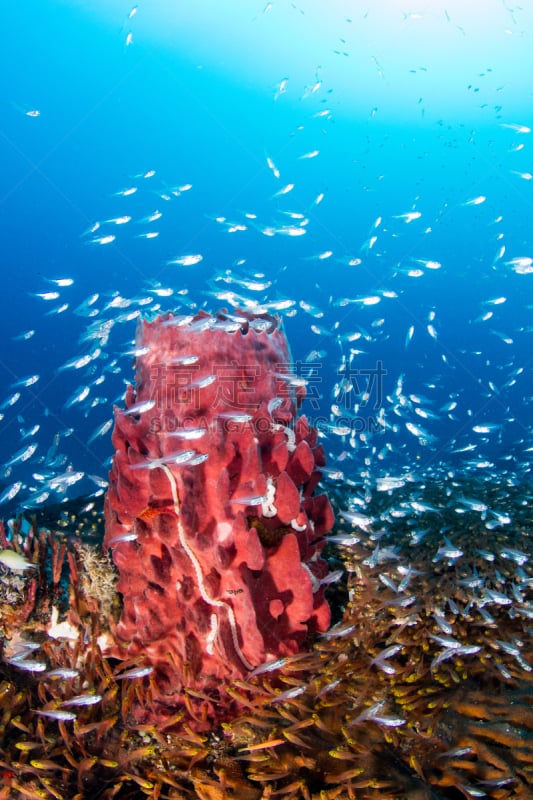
[393,382]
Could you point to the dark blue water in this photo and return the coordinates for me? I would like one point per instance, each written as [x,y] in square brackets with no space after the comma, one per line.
[110,112]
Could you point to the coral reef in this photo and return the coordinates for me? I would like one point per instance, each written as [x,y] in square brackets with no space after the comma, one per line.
[98,577]
[372,710]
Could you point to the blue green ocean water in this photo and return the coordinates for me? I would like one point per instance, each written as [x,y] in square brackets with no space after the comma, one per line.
[362,169]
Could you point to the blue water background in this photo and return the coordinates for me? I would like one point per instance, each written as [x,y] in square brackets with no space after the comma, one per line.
[110,111]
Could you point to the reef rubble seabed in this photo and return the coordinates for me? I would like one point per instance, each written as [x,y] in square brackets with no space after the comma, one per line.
[422,689]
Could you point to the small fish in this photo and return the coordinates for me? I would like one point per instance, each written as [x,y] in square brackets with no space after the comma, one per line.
[201,383]
[521,264]
[289,694]
[103,239]
[344,541]
[37,499]
[387,581]
[372,713]
[508,647]
[487,555]
[22,455]
[357,518]
[488,427]
[284,190]
[76,363]
[118,220]
[10,401]
[272,167]
[269,666]
[473,582]
[427,263]
[389,483]
[100,482]
[338,630]
[329,687]
[153,217]
[47,295]
[63,673]
[175,459]
[370,300]
[281,89]
[249,500]
[442,622]
[26,746]
[24,336]
[447,551]
[25,382]
[238,419]
[473,504]
[68,478]
[446,641]
[388,722]
[183,360]
[510,553]
[78,396]
[289,230]
[139,408]
[56,713]
[160,291]
[331,577]
[186,261]
[101,430]
[498,598]
[381,662]
[118,301]
[128,536]
[91,229]
[453,652]
[28,664]
[11,492]
[83,700]
[515,127]
[15,561]
[177,322]
[136,672]
[188,434]
[61,281]
[23,647]
[199,459]
[57,310]
[424,437]
[457,752]
[409,216]
[310,90]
